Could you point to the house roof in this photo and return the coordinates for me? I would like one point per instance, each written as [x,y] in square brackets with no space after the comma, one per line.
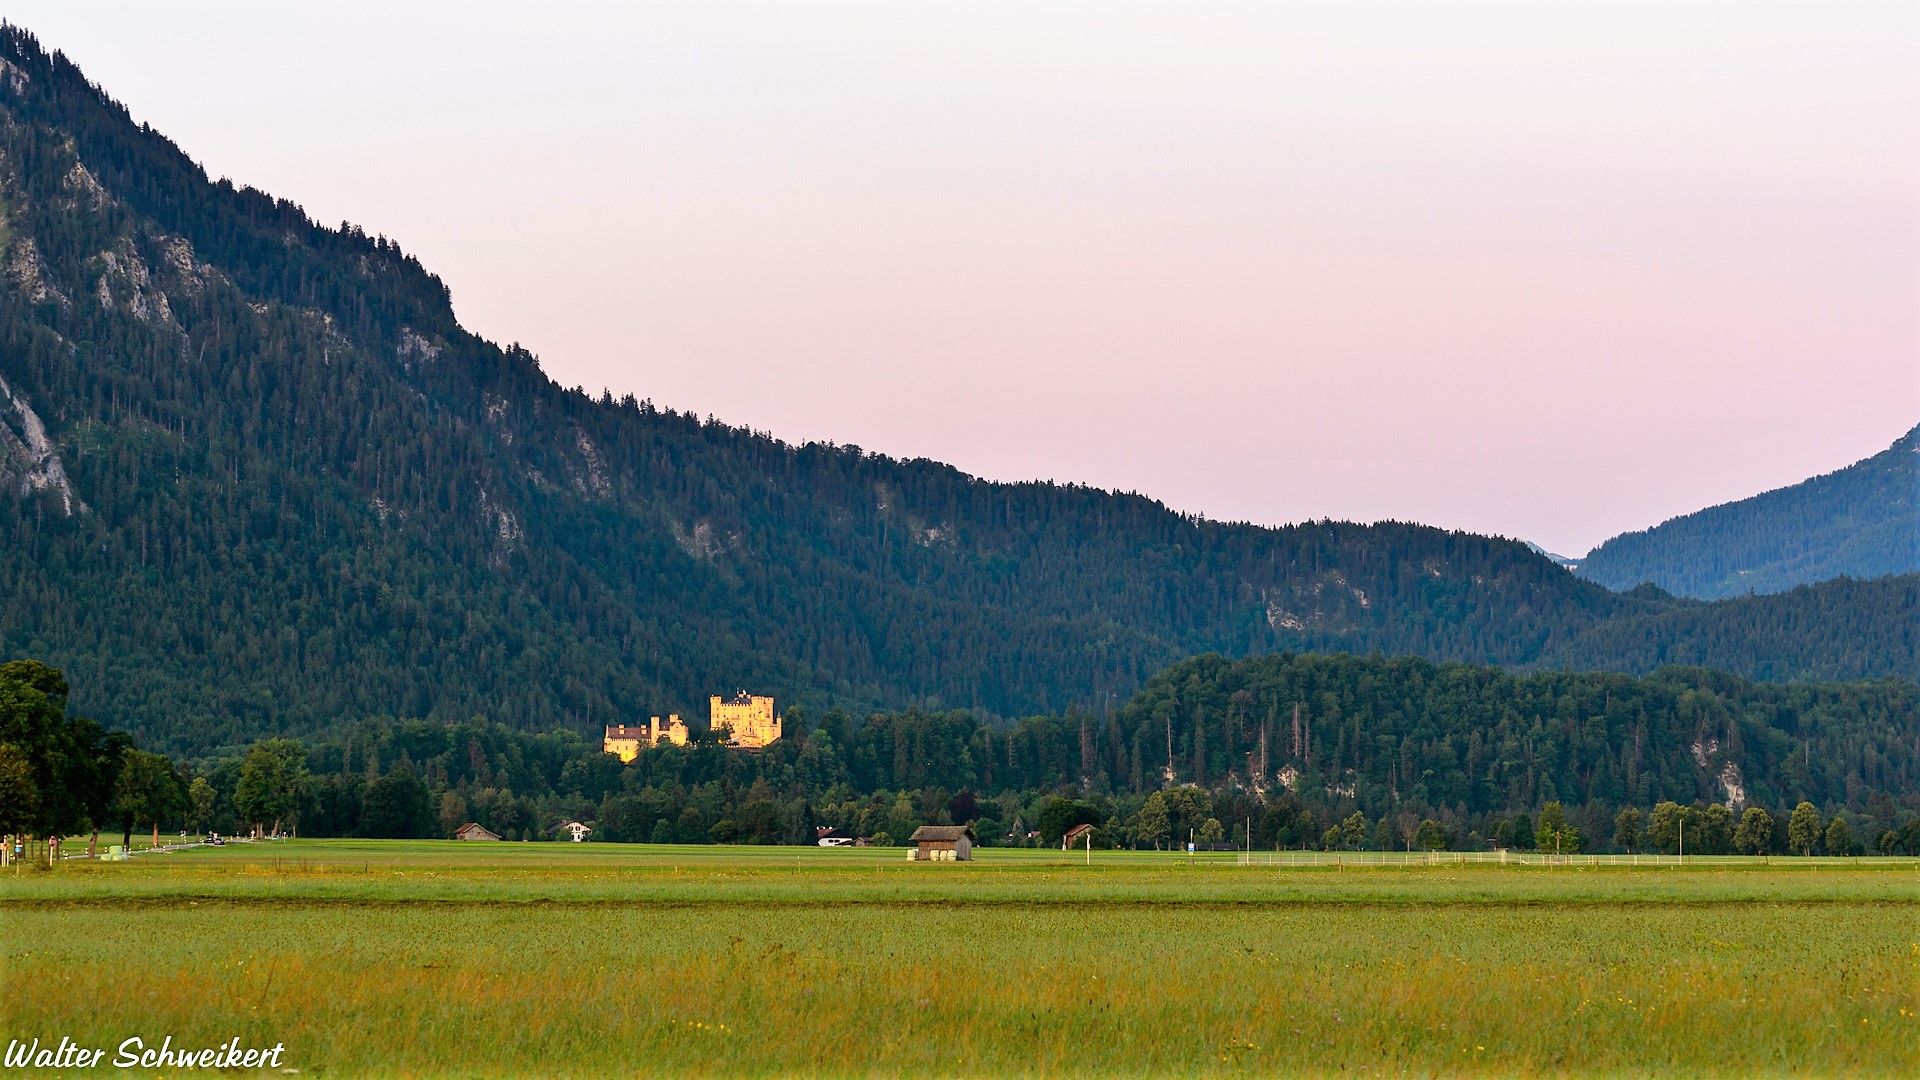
[942,832]
[475,827]
[1078,830]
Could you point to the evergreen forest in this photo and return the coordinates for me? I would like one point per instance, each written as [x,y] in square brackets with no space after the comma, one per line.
[257,482]
[1862,521]
[1304,750]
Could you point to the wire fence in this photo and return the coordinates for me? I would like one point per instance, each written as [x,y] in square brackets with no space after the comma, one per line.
[1309,859]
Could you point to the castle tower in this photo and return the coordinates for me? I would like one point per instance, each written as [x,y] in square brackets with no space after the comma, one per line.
[748,720]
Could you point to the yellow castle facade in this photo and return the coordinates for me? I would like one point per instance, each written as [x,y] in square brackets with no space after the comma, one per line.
[749,721]
[626,741]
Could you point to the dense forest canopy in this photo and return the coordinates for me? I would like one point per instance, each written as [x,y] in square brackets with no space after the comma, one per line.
[1304,750]
[256,480]
[1862,521]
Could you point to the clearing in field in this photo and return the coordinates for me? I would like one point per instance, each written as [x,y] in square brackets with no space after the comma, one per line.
[437,958]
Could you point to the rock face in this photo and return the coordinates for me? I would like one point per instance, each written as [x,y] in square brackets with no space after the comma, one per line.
[29,462]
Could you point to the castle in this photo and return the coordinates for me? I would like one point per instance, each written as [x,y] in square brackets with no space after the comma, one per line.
[627,741]
[749,723]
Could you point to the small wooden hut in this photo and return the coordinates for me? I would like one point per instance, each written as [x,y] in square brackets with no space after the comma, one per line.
[474,831]
[943,843]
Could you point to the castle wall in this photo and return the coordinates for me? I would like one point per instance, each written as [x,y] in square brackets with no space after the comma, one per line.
[750,721]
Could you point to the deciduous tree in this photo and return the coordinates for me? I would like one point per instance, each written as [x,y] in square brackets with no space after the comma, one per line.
[1353,831]
[273,783]
[1628,828]
[1714,823]
[1554,835]
[1839,837]
[200,799]
[1803,828]
[1754,834]
[19,795]
[1666,829]
[1152,825]
[1058,815]
[453,813]
[148,791]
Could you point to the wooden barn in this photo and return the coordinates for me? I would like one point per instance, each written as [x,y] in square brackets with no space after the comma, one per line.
[474,831]
[943,843]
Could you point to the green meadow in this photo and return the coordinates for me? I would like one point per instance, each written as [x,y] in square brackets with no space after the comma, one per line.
[393,958]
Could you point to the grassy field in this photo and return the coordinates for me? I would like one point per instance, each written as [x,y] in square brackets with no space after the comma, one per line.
[391,958]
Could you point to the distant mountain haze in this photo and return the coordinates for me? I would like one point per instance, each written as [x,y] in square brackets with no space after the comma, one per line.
[255,478]
[1862,521]
[1561,560]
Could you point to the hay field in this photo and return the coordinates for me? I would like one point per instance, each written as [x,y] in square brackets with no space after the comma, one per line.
[391,958]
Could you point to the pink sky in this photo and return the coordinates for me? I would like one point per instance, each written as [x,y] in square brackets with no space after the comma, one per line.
[1543,270]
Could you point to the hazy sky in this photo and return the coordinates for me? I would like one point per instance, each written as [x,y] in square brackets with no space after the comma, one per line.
[1549,270]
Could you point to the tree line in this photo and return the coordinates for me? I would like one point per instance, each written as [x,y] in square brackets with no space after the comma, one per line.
[61,775]
[1308,751]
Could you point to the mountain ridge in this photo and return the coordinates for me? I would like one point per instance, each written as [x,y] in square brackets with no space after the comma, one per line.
[303,494]
[1860,521]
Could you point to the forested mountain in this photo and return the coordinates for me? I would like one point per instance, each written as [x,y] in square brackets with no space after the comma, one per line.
[255,479]
[1841,629]
[1480,739]
[1862,521]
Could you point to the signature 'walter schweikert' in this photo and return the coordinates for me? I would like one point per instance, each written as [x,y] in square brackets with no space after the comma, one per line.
[134,1053]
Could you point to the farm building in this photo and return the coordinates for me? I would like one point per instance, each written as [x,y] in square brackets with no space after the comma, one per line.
[474,831]
[1076,836]
[943,843]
